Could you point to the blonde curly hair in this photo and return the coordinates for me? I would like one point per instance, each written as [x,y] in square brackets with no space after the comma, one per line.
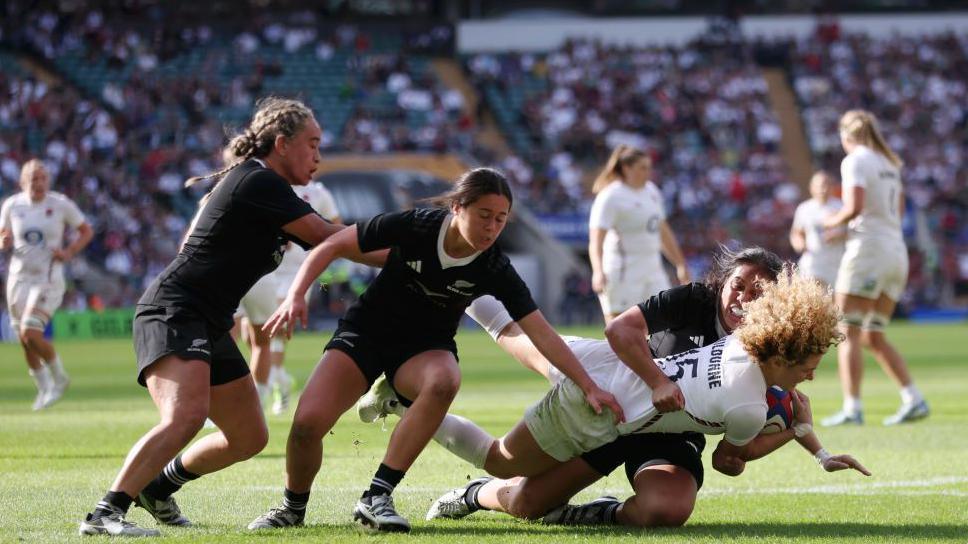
[794,318]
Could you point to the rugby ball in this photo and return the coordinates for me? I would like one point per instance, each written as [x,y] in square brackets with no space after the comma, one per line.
[779,410]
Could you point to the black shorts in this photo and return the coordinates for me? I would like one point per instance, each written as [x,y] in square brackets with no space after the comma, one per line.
[635,450]
[377,354]
[160,331]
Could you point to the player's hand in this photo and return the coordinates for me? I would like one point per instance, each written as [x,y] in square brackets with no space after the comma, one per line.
[682,274]
[843,462]
[6,239]
[668,398]
[802,413]
[598,282]
[597,398]
[284,318]
[61,255]
[730,465]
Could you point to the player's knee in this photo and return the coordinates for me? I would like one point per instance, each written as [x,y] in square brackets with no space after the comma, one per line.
[656,511]
[442,388]
[250,444]
[186,422]
[304,431]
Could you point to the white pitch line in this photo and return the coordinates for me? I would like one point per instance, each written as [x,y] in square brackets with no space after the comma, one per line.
[894,488]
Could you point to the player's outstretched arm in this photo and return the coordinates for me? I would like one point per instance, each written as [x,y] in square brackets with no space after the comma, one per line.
[555,350]
[293,308]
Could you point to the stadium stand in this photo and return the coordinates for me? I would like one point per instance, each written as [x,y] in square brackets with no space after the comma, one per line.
[124,112]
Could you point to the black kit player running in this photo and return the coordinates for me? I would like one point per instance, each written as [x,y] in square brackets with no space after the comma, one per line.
[417,301]
[235,239]
[403,326]
[186,358]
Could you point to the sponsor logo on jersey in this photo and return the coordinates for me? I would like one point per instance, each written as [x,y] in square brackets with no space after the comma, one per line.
[416,265]
[458,285]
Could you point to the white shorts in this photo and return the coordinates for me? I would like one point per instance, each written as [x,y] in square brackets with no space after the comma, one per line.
[870,270]
[565,426]
[824,271]
[284,281]
[43,298]
[625,288]
[259,303]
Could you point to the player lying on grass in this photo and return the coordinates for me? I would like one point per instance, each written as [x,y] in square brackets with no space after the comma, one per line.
[665,470]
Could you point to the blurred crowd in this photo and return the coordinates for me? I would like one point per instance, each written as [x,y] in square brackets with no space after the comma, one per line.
[146,105]
[918,89]
[701,110]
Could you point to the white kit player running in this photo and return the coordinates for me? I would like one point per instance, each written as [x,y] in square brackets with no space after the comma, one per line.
[628,234]
[32,223]
[874,269]
[781,341]
[321,200]
[821,249]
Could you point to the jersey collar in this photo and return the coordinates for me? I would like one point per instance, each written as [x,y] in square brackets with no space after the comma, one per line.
[446,261]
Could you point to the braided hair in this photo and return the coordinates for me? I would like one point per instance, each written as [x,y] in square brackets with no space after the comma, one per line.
[273,117]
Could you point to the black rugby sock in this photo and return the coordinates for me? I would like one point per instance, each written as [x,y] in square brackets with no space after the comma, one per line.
[470,497]
[384,481]
[113,500]
[171,479]
[295,501]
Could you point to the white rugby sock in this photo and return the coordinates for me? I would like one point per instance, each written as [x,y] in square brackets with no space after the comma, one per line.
[910,394]
[42,378]
[273,375]
[56,367]
[490,314]
[853,405]
[465,439]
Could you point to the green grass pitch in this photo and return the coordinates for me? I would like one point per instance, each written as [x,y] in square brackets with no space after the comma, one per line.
[55,464]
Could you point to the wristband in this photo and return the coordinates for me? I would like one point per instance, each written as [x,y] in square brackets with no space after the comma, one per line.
[802,429]
[822,455]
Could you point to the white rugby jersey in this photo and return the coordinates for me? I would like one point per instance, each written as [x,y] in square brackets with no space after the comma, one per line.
[809,217]
[38,229]
[322,201]
[725,391]
[881,180]
[632,218]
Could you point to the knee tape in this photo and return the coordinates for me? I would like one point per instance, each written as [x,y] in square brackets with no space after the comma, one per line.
[32,322]
[875,322]
[853,319]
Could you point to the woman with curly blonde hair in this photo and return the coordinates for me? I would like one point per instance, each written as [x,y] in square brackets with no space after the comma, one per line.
[780,343]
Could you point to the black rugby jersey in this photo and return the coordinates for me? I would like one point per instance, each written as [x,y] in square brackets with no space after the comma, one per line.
[681,319]
[235,239]
[421,290]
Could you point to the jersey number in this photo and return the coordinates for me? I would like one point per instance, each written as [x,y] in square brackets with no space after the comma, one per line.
[680,368]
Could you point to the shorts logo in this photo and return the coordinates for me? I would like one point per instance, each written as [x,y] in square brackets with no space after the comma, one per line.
[342,337]
[416,265]
[198,345]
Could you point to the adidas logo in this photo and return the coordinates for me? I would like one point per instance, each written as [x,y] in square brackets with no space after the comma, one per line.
[414,265]
[697,340]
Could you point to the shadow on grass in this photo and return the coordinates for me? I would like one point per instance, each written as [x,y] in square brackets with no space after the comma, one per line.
[825,530]
[771,530]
